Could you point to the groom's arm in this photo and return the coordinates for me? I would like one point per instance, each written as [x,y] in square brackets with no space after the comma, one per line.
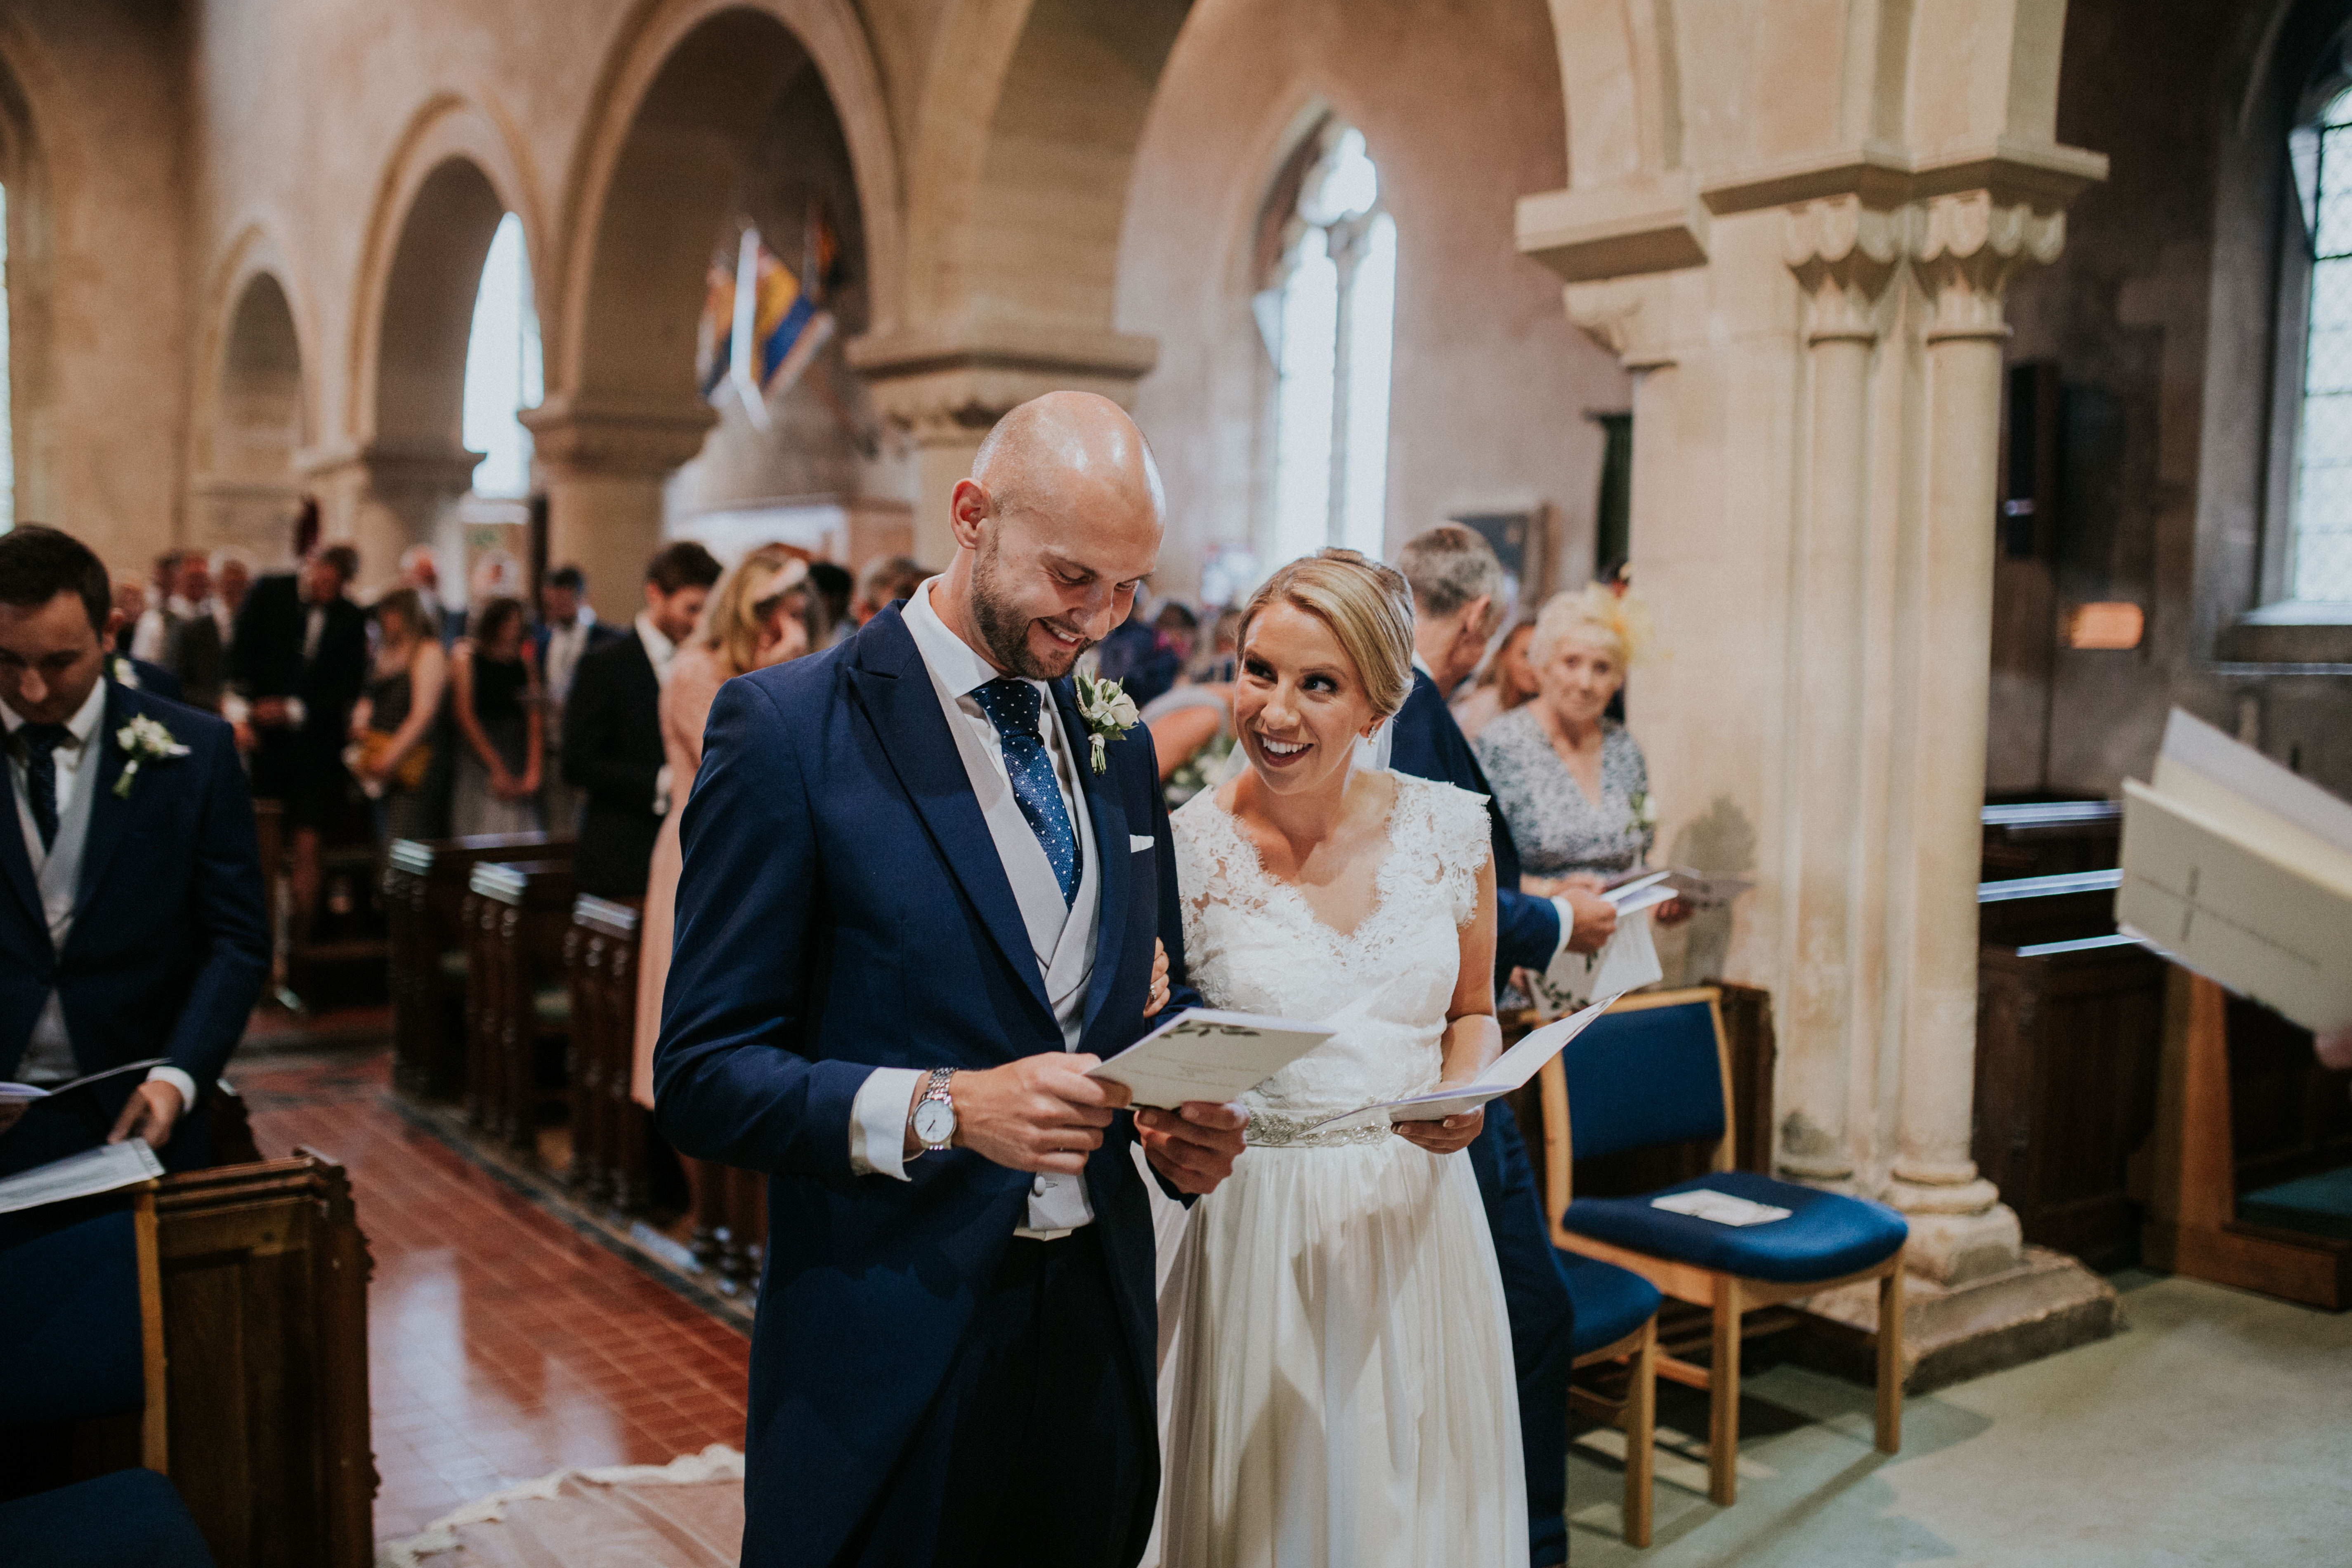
[729,1084]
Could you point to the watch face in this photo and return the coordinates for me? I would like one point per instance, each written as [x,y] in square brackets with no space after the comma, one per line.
[934,1121]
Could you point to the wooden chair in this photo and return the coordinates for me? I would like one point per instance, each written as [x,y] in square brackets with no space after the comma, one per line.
[608,1126]
[83,1304]
[1617,1322]
[1655,1071]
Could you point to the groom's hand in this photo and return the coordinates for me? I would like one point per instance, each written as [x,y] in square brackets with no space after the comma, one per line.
[1042,1113]
[1194,1148]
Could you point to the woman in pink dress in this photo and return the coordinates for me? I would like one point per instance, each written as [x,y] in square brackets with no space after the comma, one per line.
[759,617]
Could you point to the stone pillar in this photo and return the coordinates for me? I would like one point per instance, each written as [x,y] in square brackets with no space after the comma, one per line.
[1844,254]
[1968,248]
[603,462]
[383,499]
[942,387]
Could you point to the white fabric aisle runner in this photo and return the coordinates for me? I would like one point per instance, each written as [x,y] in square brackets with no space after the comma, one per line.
[688,1513]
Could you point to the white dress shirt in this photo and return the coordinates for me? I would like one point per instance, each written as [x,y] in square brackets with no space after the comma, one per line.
[564,646]
[49,1053]
[1061,935]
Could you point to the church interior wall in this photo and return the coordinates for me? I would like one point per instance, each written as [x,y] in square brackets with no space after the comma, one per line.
[1491,384]
[92,113]
[2159,316]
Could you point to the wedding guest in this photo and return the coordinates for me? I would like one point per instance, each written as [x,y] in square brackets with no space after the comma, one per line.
[1506,683]
[758,616]
[296,664]
[146,935]
[420,571]
[885,582]
[1216,664]
[568,628]
[130,598]
[394,723]
[183,635]
[232,580]
[494,696]
[1572,781]
[830,588]
[611,727]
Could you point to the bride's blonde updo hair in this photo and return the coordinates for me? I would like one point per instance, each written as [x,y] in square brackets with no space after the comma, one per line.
[1367,606]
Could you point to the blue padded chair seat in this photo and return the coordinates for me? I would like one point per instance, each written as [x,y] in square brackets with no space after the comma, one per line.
[1610,1302]
[71,1347]
[1825,1235]
[131,1519]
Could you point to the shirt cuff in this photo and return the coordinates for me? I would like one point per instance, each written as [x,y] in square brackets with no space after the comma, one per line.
[1567,929]
[878,1122]
[179,1080]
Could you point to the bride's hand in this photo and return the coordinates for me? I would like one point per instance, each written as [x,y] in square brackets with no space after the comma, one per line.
[1455,1132]
[1158,1001]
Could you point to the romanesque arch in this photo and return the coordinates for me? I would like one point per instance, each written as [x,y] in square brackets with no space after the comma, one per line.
[252,416]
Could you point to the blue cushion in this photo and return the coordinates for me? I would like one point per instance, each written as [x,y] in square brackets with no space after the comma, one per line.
[131,1519]
[70,1345]
[1825,1235]
[1610,1302]
[1640,1078]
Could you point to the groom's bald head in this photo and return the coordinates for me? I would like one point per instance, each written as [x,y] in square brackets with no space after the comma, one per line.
[1058,525]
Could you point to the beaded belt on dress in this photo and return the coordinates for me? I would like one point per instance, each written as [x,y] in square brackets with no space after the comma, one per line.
[1269,1130]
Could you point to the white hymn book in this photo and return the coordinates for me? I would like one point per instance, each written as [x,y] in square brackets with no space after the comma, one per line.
[82,1175]
[1204,1054]
[1509,1071]
[2242,871]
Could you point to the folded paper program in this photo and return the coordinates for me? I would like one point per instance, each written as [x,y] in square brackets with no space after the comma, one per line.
[1509,1071]
[1723,1208]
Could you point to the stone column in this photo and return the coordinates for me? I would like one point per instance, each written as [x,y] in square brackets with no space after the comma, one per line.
[1970,247]
[383,499]
[603,462]
[1843,254]
[942,387]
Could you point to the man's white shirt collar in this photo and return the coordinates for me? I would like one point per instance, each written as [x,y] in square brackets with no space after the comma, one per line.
[659,650]
[80,726]
[954,661]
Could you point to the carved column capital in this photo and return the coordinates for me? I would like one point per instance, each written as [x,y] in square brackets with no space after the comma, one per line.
[1844,254]
[947,383]
[608,435]
[1968,249]
[1627,316]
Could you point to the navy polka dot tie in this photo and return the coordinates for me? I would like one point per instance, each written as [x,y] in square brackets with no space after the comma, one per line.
[1013,707]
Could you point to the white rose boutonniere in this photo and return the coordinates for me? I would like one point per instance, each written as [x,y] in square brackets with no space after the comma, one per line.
[143,739]
[1109,712]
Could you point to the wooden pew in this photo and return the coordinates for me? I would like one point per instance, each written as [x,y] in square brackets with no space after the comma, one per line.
[731,1222]
[2238,1108]
[2027,910]
[264,1283]
[608,1126]
[2068,1035]
[516,913]
[2041,839]
[424,891]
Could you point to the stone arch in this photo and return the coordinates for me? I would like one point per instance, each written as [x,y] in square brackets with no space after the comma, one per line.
[688,96]
[253,417]
[1620,74]
[36,154]
[684,90]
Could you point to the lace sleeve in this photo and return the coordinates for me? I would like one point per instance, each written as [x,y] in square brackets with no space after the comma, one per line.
[1461,842]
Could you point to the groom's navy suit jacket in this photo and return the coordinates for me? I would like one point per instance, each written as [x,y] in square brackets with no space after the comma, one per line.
[169,947]
[842,907]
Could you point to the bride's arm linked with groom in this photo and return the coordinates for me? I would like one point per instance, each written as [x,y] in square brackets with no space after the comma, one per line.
[918,903]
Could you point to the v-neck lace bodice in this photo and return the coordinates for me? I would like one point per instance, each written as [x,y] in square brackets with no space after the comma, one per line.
[1254,943]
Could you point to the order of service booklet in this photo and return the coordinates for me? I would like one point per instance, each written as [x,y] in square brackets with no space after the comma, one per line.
[1507,1072]
[2242,871]
[1203,1054]
[82,1175]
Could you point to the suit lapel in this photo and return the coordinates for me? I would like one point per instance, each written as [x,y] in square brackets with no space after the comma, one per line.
[1110,848]
[17,862]
[109,812]
[894,688]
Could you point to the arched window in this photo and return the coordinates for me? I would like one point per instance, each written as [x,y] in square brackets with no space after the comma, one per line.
[503,374]
[2319,565]
[8,426]
[1329,315]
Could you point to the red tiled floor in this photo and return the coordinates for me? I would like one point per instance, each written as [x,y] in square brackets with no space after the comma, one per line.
[500,1344]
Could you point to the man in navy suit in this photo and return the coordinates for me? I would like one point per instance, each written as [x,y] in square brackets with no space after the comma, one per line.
[132,926]
[1458,586]
[913,913]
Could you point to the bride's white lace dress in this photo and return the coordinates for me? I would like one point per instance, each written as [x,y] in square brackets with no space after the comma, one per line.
[1342,1386]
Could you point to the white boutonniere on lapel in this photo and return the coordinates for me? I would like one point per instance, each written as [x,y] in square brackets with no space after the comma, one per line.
[1109,712]
[143,739]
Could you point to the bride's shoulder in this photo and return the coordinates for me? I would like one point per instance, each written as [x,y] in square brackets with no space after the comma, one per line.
[1455,818]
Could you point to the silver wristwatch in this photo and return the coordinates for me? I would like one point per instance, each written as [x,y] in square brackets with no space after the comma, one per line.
[934,1119]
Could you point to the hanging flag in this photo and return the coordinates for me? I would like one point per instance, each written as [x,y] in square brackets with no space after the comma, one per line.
[715,337]
[780,318]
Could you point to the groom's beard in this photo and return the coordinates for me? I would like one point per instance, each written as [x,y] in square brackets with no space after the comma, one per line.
[1005,629]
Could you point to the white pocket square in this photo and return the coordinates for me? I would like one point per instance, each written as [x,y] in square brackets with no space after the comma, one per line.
[1137,843]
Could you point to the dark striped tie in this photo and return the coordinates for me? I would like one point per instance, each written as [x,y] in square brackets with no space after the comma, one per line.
[41,742]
